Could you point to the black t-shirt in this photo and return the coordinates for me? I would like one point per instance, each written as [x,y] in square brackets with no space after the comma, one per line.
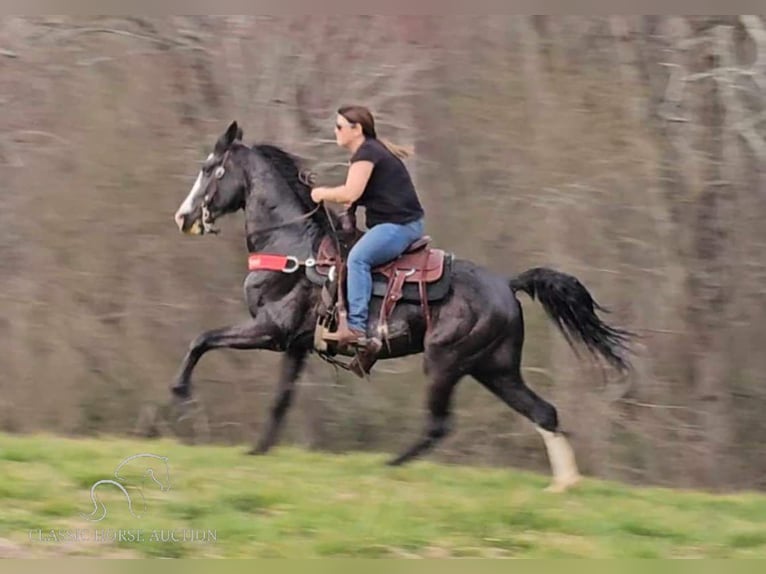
[389,196]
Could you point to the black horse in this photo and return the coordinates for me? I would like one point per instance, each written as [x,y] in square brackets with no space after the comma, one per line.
[477,329]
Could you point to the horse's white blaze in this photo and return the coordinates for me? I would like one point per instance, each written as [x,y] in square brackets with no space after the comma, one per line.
[188,204]
[562,459]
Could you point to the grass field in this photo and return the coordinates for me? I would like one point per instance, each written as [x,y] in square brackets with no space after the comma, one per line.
[301,504]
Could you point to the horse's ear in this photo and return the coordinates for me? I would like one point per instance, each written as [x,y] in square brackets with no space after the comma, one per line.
[228,138]
[232,133]
[240,134]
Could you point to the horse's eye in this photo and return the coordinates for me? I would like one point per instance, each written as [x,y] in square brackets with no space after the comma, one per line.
[219,172]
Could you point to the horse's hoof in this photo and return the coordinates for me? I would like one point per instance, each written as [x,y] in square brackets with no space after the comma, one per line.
[258,451]
[180,391]
[559,486]
[395,462]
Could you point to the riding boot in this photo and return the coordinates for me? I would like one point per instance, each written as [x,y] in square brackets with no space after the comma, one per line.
[349,335]
[365,358]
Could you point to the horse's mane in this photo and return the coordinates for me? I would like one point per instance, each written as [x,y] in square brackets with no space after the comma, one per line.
[288,166]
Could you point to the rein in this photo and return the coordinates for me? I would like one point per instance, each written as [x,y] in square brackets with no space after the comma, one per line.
[307,179]
[289,221]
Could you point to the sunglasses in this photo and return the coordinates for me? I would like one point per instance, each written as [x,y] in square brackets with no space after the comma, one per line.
[339,127]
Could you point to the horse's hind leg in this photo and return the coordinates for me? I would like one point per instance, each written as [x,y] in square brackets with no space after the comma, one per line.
[437,427]
[292,365]
[509,386]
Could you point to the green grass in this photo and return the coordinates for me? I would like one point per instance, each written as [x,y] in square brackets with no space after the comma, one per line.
[294,503]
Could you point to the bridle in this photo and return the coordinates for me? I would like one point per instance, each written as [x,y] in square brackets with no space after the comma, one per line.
[212,190]
[220,171]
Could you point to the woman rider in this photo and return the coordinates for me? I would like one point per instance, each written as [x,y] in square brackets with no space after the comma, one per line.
[377,179]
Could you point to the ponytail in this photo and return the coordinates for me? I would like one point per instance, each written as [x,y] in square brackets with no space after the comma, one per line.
[399,151]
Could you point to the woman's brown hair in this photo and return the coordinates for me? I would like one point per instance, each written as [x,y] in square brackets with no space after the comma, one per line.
[363,116]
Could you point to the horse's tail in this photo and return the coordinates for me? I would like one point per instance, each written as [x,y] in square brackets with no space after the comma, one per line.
[570,306]
[96,504]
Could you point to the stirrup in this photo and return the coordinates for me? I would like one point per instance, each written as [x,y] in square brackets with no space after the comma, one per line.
[362,363]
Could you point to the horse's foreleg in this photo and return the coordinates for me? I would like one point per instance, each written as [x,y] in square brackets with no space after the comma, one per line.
[292,365]
[249,335]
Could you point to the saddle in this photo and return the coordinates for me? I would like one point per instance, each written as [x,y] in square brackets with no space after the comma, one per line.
[421,273]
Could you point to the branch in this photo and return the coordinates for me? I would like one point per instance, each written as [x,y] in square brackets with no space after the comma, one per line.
[745,127]
[754,27]
[673,93]
[723,76]
[40,133]
[687,43]
[654,406]
[164,42]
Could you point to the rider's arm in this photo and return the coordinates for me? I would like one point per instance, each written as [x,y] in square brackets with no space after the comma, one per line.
[358,175]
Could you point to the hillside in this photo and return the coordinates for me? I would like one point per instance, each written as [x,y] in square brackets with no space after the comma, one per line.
[296,503]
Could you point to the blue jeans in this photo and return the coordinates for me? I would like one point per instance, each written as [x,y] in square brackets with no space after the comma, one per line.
[379,245]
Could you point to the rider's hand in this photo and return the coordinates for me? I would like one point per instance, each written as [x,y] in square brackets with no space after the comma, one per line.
[317,194]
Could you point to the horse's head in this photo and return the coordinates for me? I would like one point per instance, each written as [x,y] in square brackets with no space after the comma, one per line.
[220,188]
[160,474]
[139,467]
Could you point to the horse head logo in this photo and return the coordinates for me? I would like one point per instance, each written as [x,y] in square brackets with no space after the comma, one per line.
[149,467]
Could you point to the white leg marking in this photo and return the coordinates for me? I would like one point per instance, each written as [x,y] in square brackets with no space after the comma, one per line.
[562,459]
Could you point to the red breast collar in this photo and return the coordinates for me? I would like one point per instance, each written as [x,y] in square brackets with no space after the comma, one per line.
[272,262]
